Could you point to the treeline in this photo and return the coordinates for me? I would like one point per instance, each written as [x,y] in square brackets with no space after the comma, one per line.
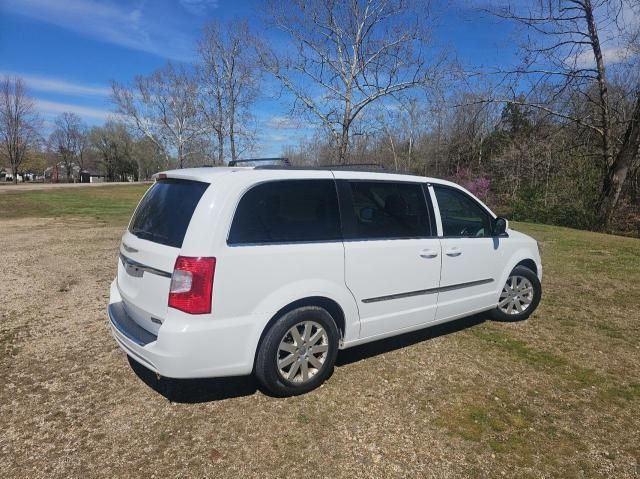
[526,163]
[553,137]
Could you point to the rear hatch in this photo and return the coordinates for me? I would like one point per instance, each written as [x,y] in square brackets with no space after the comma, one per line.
[150,247]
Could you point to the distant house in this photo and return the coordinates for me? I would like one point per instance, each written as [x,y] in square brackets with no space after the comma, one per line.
[58,173]
[6,175]
[92,176]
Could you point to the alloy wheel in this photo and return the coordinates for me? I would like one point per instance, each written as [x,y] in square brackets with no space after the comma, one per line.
[302,352]
[516,296]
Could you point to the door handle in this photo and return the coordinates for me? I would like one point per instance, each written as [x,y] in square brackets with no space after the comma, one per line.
[453,252]
[428,253]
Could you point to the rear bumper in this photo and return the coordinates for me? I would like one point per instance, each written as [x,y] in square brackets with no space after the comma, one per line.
[185,347]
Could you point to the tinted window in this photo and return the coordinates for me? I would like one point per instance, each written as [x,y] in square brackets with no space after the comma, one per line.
[165,211]
[287,211]
[461,215]
[379,209]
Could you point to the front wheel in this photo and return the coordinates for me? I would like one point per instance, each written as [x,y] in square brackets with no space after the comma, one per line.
[298,352]
[519,297]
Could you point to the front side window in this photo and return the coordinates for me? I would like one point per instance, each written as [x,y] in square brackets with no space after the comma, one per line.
[287,211]
[461,215]
[385,210]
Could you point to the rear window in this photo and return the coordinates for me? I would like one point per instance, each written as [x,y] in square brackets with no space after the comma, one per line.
[287,211]
[165,211]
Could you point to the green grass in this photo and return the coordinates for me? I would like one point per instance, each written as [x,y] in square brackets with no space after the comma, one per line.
[111,204]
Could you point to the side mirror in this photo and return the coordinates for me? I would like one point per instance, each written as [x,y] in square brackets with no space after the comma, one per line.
[500,226]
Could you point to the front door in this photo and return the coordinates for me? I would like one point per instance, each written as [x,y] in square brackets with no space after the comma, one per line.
[472,260]
[392,261]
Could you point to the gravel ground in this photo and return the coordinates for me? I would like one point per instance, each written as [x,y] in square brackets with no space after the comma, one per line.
[542,398]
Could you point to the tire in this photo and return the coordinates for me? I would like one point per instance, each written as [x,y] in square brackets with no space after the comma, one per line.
[286,363]
[517,303]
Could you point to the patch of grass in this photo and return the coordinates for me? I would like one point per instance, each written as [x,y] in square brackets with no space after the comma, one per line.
[538,359]
[621,393]
[110,204]
[493,420]
[9,340]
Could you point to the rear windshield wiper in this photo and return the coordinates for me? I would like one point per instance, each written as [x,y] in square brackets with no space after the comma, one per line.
[148,234]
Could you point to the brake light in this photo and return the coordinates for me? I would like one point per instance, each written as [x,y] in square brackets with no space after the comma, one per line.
[192,284]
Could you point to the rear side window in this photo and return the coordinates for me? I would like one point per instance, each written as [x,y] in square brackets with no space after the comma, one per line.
[384,210]
[287,211]
[461,215]
[165,211]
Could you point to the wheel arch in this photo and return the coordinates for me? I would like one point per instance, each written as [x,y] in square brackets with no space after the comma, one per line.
[528,263]
[521,257]
[328,304]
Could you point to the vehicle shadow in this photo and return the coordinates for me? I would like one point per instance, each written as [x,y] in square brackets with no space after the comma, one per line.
[193,391]
[358,353]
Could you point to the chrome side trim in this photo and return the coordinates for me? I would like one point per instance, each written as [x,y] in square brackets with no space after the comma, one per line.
[420,292]
[128,262]
[128,327]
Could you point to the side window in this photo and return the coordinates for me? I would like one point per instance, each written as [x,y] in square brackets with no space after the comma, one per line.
[461,215]
[287,211]
[376,209]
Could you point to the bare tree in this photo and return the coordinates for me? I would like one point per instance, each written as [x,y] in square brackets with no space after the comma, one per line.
[348,55]
[114,146]
[230,78]
[565,54]
[19,123]
[163,107]
[68,141]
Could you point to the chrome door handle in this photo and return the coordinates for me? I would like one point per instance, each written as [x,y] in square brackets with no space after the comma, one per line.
[428,253]
[453,252]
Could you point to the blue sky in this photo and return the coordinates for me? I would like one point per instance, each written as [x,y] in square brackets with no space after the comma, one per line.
[68,51]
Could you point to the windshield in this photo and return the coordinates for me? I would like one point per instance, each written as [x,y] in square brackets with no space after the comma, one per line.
[164,213]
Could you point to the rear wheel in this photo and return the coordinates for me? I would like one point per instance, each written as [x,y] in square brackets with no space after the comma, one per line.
[298,352]
[519,297]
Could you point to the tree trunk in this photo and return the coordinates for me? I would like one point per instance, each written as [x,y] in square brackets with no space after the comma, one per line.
[605,117]
[617,172]
[220,147]
[343,146]
[232,132]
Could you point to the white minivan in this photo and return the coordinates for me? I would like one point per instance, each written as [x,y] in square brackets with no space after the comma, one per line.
[271,270]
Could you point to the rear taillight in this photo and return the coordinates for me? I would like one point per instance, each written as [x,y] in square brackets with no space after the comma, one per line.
[192,285]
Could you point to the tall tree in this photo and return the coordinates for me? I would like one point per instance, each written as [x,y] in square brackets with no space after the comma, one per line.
[115,147]
[19,123]
[68,140]
[348,55]
[163,107]
[565,53]
[229,79]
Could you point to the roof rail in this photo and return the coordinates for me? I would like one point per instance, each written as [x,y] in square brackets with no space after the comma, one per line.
[284,161]
[356,165]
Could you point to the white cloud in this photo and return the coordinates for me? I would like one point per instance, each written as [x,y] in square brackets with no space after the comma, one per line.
[198,7]
[56,85]
[278,138]
[126,26]
[283,123]
[611,55]
[54,108]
